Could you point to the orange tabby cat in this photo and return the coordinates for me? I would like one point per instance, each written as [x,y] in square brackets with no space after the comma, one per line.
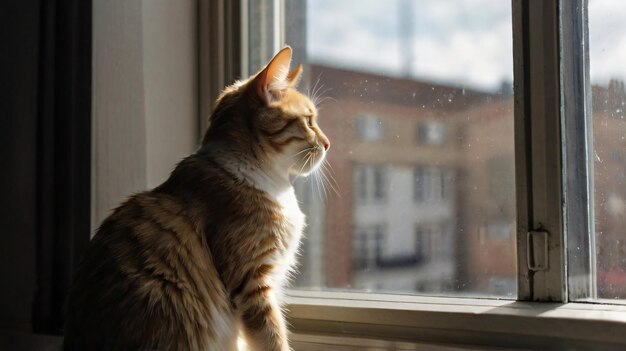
[187,265]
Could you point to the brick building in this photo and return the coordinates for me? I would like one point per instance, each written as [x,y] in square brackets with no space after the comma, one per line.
[418,210]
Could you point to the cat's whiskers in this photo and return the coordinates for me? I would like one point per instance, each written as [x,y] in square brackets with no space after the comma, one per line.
[323,181]
[317,184]
[315,181]
[328,166]
[311,91]
[324,184]
[319,96]
[319,102]
[308,157]
[315,94]
[328,177]
[303,151]
[302,159]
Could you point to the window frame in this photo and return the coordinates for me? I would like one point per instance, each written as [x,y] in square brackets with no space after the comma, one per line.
[554,200]
[457,321]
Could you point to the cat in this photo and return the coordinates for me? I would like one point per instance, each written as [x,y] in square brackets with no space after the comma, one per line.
[205,255]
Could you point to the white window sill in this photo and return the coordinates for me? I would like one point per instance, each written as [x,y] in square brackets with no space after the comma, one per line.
[459,321]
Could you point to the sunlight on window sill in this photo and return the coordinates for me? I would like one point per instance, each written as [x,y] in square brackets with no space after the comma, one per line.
[480,321]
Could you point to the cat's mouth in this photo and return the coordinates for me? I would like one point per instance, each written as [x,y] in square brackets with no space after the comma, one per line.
[308,160]
[313,163]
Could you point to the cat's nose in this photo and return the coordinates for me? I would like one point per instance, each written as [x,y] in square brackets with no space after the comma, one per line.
[326,143]
[322,139]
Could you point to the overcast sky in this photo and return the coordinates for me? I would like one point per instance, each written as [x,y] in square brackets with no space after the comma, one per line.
[457,42]
[607,40]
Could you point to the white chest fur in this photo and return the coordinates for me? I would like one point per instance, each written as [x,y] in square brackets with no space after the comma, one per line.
[294,222]
[291,210]
[280,190]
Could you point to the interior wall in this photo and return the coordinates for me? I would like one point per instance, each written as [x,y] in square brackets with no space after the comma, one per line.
[145,95]
[170,84]
[118,113]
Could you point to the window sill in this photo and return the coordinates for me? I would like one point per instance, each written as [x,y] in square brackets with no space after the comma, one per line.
[458,321]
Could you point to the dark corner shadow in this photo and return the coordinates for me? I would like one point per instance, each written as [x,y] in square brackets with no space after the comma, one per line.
[25,341]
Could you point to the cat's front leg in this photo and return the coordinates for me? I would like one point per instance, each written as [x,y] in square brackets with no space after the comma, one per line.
[262,320]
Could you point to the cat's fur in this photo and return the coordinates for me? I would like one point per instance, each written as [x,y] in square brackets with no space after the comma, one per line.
[187,265]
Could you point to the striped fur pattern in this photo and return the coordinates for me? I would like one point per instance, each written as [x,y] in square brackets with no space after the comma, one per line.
[203,257]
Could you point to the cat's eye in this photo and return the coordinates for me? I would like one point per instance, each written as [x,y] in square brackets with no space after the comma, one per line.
[309,121]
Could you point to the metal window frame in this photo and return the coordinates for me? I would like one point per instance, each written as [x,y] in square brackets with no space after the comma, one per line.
[221,40]
[554,174]
[554,209]
[538,166]
[576,110]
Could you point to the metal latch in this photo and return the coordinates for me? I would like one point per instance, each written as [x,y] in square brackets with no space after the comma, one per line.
[537,250]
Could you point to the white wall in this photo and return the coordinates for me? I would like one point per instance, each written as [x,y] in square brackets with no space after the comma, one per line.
[170,84]
[145,95]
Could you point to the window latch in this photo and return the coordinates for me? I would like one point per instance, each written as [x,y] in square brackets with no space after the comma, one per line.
[537,250]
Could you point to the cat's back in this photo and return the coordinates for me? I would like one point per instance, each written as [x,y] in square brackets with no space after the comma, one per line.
[147,281]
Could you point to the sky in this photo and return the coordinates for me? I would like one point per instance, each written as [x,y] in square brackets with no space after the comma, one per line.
[607,40]
[456,42]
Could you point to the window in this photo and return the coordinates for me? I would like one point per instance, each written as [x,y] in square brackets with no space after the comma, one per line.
[533,208]
[431,133]
[431,184]
[369,182]
[369,128]
[516,222]
[367,247]
[395,180]
[428,242]
[607,37]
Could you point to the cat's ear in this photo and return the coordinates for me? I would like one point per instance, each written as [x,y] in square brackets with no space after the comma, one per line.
[273,78]
[293,78]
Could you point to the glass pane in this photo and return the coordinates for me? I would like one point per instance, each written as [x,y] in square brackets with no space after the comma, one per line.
[416,97]
[607,50]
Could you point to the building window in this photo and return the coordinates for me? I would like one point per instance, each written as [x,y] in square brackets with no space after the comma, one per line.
[431,133]
[369,182]
[428,242]
[369,127]
[431,184]
[367,247]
